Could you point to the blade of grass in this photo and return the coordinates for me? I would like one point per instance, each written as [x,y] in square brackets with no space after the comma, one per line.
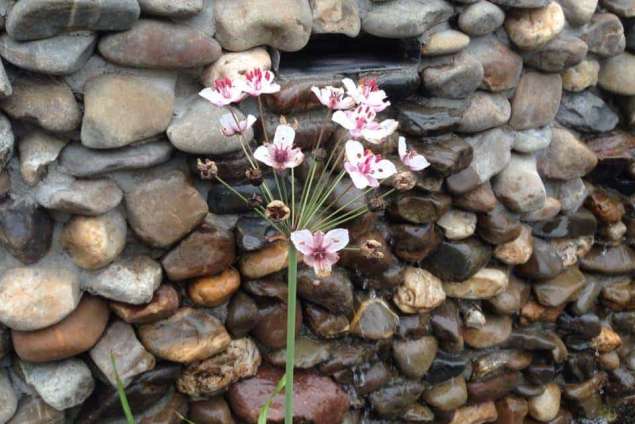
[121,391]
[264,409]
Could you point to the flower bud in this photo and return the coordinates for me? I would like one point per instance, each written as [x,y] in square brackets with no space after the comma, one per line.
[254,175]
[371,249]
[277,211]
[207,168]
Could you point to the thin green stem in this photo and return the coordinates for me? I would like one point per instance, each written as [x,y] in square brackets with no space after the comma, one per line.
[323,197]
[292,197]
[246,150]
[343,219]
[291,306]
[262,119]
[343,207]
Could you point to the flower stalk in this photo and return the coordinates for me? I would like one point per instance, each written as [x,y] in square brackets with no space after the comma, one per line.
[292,277]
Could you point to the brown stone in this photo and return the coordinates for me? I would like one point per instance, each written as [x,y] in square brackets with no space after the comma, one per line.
[511,410]
[561,288]
[536,100]
[268,260]
[479,413]
[75,334]
[316,398]
[271,326]
[164,303]
[496,330]
[211,411]
[481,199]
[607,341]
[605,207]
[187,336]
[517,251]
[501,65]
[448,395]
[533,28]
[214,290]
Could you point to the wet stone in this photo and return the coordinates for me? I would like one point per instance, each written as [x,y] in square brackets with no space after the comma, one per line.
[374,320]
[492,388]
[498,226]
[211,411]
[447,396]
[334,293]
[270,259]
[412,243]
[25,230]
[271,324]
[419,115]
[420,208]
[164,303]
[252,232]
[324,324]
[486,283]
[609,260]
[475,414]
[510,300]
[458,260]
[393,400]
[308,354]
[214,290]
[544,262]
[496,330]
[586,112]
[560,289]
[446,154]
[414,357]
[241,314]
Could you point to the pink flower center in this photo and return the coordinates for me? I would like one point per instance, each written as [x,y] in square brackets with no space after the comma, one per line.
[223,86]
[255,78]
[280,155]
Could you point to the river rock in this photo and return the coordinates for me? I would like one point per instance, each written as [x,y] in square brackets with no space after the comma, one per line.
[456,79]
[517,251]
[60,55]
[209,249]
[616,76]
[496,330]
[545,407]
[159,44]
[414,242]
[502,67]
[560,289]
[536,101]
[418,115]
[458,260]
[414,357]
[240,360]
[420,292]
[523,4]
[405,18]
[586,112]
[36,19]
[481,18]
[80,161]
[8,398]
[37,150]
[164,303]
[447,396]
[187,336]
[486,283]
[489,158]
[33,298]
[214,290]
[308,354]
[120,345]
[75,334]
[443,42]
[123,109]
[130,280]
[62,384]
[198,130]
[519,187]
[530,29]
[271,328]
[480,199]
[336,17]
[566,157]
[544,262]
[485,111]
[374,320]
[420,208]
[211,411]
[94,242]
[612,260]
[33,409]
[46,102]
[447,154]
[316,398]
[234,65]
[498,226]
[167,8]
[581,76]
[578,12]
[624,8]
[268,260]
[605,206]
[25,230]
[335,292]
[457,224]
[244,24]
[605,35]
[181,208]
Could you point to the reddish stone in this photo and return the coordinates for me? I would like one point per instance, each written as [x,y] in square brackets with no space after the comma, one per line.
[164,304]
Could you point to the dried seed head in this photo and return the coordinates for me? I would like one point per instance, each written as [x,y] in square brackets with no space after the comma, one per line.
[371,249]
[255,200]
[207,168]
[277,211]
[254,175]
[376,204]
[404,181]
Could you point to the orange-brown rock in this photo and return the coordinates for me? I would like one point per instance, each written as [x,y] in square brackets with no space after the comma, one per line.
[607,341]
[605,207]
[215,289]
[268,260]
[164,303]
[75,334]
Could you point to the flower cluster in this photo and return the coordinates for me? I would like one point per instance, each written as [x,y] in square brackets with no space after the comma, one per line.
[307,220]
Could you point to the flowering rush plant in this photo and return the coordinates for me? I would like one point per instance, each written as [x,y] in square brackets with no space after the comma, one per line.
[311,213]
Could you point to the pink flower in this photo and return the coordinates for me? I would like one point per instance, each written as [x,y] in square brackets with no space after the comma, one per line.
[364,167]
[411,158]
[223,93]
[259,82]
[280,154]
[360,122]
[367,93]
[230,127]
[333,98]
[319,249]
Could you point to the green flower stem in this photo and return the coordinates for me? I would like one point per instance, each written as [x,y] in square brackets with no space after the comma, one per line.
[246,150]
[262,119]
[291,306]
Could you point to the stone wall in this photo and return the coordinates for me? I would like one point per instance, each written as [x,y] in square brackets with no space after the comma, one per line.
[504,293]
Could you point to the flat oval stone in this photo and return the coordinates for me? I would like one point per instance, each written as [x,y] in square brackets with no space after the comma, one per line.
[544,262]
[501,65]
[586,112]
[187,336]
[75,334]
[268,260]
[414,357]
[536,100]
[486,283]
[557,55]
[443,42]
[481,18]
[214,290]
[532,28]
[165,301]
[405,18]
[37,297]
[25,230]
[609,260]
[560,289]
[420,209]
[420,292]
[458,260]
[158,44]
[496,330]
[448,395]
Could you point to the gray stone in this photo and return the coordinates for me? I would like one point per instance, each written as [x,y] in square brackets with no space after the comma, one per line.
[5,85]
[532,140]
[605,35]
[7,141]
[36,19]
[502,66]
[336,17]
[536,100]
[198,130]
[443,42]
[485,111]
[62,384]
[586,112]
[623,8]
[80,161]
[481,18]
[617,74]
[46,102]
[243,24]
[557,55]
[405,18]
[578,12]
[203,21]
[37,150]
[170,8]
[570,193]
[84,197]
[33,410]
[456,78]
[8,398]
[123,109]
[519,187]
[566,157]
[32,298]
[522,3]
[119,343]
[129,280]
[491,154]
[60,55]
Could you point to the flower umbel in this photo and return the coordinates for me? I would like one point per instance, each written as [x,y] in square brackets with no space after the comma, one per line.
[319,249]
[259,82]
[230,126]
[277,211]
[410,158]
[364,167]
[360,123]
[333,98]
[207,168]
[280,154]
[224,92]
